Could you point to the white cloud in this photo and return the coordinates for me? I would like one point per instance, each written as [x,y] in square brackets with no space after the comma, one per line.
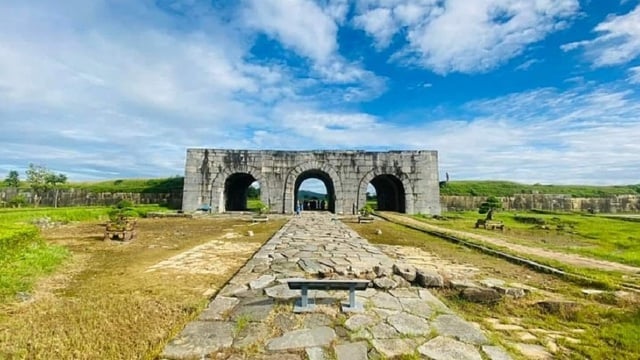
[527,64]
[618,40]
[634,75]
[301,25]
[378,23]
[310,29]
[463,36]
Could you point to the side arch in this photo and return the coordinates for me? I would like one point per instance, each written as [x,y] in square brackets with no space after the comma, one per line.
[401,177]
[218,200]
[290,183]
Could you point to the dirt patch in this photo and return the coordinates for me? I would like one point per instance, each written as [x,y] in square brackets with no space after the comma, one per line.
[215,257]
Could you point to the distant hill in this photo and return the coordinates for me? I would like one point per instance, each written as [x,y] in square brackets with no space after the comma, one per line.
[507,188]
[307,195]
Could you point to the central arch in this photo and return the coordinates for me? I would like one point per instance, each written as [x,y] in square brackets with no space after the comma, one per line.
[326,180]
[318,170]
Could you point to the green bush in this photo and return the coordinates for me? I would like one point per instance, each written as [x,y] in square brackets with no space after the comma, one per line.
[18,201]
[260,207]
[366,210]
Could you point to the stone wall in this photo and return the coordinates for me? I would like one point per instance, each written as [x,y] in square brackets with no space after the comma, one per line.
[75,197]
[208,173]
[521,202]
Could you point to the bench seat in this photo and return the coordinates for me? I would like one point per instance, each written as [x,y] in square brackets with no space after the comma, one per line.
[345,284]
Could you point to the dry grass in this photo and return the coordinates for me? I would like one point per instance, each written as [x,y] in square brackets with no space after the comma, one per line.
[104,303]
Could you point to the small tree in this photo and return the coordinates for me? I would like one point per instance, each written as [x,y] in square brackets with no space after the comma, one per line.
[36,177]
[41,180]
[54,181]
[489,206]
[261,208]
[366,210]
[13,179]
[121,211]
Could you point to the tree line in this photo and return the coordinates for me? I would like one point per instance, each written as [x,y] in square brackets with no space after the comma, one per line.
[40,180]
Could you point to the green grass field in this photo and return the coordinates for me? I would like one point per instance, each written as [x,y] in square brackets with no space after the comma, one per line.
[595,236]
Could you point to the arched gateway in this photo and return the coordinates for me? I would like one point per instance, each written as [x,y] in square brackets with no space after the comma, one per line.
[405,181]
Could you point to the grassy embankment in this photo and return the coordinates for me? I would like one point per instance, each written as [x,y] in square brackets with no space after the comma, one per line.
[163,185]
[602,327]
[507,188]
[159,185]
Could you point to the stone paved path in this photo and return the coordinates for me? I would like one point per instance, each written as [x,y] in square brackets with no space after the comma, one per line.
[252,317]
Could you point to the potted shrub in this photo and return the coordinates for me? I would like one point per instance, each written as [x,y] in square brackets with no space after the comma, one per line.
[366,214]
[261,211]
[121,221]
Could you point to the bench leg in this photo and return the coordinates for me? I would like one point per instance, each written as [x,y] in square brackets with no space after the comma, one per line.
[352,306]
[303,304]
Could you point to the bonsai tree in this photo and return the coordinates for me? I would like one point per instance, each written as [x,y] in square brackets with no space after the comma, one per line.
[261,208]
[489,206]
[366,210]
[121,211]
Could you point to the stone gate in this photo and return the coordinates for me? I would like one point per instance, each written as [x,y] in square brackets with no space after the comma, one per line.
[405,181]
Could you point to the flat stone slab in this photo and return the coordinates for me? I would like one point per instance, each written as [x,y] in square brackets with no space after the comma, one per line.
[320,336]
[430,299]
[311,266]
[198,339]
[316,320]
[394,347]
[417,307]
[532,351]
[384,300]
[316,353]
[219,308]
[356,322]
[262,282]
[495,353]
[404,293]
[445,348]
[253,309]
[454,326]
[282,292]
[408,324]
[351,351]
[252,334]
[384,331]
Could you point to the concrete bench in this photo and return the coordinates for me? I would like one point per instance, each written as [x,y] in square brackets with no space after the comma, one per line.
[365,219]
[490,224]
[305,285]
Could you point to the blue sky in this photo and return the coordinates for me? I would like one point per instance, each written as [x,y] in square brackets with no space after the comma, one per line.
[544,91]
